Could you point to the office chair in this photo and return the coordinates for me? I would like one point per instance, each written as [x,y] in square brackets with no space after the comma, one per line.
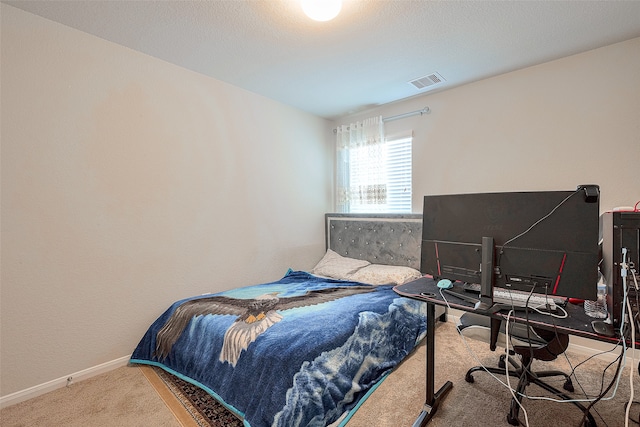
[530,344]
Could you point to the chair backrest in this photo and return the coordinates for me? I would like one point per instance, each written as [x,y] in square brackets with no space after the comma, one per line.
[477,326]
[556,344]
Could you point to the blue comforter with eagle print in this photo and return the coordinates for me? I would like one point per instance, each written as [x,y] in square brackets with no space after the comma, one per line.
[301,351]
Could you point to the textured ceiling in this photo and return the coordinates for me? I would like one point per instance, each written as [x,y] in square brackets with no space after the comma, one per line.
[363,58]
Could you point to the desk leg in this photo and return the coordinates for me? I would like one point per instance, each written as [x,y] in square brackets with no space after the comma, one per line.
[432,400]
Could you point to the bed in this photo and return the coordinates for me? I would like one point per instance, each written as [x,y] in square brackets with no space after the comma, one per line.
[309,348]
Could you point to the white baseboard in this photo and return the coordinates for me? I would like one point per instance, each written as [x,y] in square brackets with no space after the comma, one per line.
[31,392]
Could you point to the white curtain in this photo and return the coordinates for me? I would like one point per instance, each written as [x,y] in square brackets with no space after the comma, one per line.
[361,175]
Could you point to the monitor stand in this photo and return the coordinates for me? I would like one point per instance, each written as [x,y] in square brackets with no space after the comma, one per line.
[486,276]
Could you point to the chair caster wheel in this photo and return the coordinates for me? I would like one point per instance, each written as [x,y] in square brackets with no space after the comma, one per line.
[513,421]
[468,378]
[568,385]
[501,362]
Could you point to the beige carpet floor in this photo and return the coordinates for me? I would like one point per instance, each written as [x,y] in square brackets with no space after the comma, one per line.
[124,396]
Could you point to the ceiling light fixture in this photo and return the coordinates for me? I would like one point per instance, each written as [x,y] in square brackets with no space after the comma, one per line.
[321,10]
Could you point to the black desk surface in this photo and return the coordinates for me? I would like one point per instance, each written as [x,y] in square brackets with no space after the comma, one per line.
[576,323]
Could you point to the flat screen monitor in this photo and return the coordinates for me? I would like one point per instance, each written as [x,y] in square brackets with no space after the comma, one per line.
[545,241]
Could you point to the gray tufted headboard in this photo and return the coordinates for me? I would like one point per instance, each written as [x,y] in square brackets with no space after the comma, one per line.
[391,239]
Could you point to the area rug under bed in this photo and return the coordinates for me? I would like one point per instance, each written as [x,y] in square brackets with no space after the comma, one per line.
[192,406]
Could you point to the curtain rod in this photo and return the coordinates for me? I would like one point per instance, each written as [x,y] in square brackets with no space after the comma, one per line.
[425,110]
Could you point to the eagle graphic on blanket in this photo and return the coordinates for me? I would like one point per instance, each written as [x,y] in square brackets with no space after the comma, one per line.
[255,316]
[300,351]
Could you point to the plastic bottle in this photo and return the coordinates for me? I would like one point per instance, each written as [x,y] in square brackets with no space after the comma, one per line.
[598,309]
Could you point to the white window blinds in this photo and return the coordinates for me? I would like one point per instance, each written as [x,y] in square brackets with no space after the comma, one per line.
[374,174]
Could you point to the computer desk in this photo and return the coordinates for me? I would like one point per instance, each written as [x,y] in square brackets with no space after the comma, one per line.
[425,289]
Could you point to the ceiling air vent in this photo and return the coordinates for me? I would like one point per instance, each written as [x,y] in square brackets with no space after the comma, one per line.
[426,81]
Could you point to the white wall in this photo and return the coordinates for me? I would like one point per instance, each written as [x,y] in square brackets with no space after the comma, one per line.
[128,183]
[550,127]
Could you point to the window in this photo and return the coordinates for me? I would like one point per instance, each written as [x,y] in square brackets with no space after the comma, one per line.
[377,177]
[399,175]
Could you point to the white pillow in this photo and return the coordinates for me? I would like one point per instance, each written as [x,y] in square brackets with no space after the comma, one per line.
[379,274]
[336,266]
